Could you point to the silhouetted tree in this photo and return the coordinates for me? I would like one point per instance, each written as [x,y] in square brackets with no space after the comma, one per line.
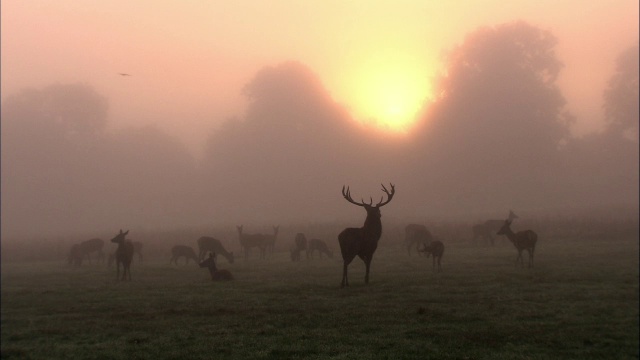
[294,144]
[622,107]
[493,131]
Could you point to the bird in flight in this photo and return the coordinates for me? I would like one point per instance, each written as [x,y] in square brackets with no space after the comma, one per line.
[124,74]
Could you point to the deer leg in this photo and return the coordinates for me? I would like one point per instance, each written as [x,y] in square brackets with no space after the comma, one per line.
[367,263]
[345,281]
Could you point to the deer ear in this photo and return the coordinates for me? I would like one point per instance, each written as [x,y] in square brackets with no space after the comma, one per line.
[125,233]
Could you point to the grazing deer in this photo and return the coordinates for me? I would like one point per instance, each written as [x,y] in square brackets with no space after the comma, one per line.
[179,251]
[435,248]
[320,246]
[206,243]
[362,242]
[300,243]
[216,275]
[88,247]
[249,241]
[522,240]
[490,227]
[416,234]
[124,254]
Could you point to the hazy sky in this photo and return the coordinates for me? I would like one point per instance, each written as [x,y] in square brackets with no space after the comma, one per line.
[190,59]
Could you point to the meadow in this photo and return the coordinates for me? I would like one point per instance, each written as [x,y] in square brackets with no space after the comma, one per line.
[579,302]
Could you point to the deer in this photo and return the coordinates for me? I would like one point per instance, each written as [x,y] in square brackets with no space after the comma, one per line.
[187,252]
[416,234]
[124,254]
[522,240]
[300,243]
[251,240]
[363,241]
[88,247]
[435,248]
[216,275]
[490,227]
[270,240]
[206,243]
[320,246]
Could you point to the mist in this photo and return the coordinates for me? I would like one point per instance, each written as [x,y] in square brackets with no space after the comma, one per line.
[497,136]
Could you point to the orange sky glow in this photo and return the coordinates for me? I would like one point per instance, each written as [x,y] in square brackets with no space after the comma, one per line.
[190,60]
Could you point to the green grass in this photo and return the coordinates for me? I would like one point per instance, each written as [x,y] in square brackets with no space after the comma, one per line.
[580,302]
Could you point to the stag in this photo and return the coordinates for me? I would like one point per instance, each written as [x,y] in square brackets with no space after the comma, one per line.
[206,243]
[418,235]
[435,248]
[124,254]
[249,241]
[363,241]
[490,227]
[522,240]
[216,275]
[320,246]
[187,252]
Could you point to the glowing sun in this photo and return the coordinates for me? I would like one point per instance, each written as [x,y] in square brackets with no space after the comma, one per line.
[389,90]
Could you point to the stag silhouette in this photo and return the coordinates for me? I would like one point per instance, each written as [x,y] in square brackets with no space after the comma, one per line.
[363,241]
[124,254]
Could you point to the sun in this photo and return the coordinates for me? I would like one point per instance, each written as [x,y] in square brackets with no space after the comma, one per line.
[389,90]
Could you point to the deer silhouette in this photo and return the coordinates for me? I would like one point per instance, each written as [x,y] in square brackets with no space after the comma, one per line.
[416,234]
[124,254]
[522,240]
[206,243]
[185,251]
[487,229]
[363,241]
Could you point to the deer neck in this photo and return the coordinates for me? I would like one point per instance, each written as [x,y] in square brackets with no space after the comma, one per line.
[373,226]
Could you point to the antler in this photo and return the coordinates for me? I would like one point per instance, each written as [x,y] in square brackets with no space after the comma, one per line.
[347,195]
[389,195]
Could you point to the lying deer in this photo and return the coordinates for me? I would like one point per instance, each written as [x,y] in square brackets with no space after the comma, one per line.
[216,275]
[522,240]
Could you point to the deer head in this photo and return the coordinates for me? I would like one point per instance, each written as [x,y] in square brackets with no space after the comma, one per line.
[118,239]
[505,228]
[372,210]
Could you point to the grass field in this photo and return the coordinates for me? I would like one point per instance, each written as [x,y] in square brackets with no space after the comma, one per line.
[579,302]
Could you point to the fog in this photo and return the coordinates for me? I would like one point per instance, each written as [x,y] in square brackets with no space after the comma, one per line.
[498,133]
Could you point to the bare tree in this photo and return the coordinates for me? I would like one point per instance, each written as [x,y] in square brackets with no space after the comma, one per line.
[124,254]
[363,241]
[522,240]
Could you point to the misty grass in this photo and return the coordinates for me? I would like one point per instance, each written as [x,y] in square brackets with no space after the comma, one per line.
[581,301]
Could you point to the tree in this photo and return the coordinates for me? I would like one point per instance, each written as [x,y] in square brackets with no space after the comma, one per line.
[621,97]
[499,118]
